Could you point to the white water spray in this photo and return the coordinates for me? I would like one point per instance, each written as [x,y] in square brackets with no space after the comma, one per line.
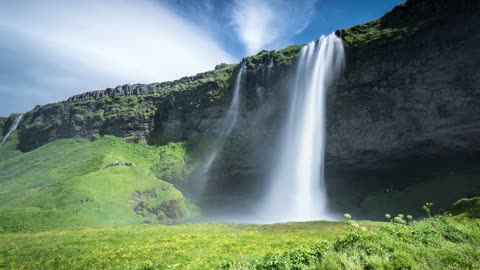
[232,115]
[12,128]
[229,123]
[297,191]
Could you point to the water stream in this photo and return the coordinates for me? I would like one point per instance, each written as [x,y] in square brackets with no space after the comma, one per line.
[12,128]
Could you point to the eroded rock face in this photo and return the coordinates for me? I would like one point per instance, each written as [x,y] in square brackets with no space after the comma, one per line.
[125,116]
[410,98]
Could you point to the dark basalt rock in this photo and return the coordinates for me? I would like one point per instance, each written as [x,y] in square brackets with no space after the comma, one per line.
[416,97]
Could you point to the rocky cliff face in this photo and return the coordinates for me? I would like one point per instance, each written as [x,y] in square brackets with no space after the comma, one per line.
[411,87]
[125,111]
[188,109]
[410,91]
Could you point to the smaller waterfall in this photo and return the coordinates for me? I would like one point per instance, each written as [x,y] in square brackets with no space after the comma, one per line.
[232,115]
[228,124]
[12,128]
[269,71]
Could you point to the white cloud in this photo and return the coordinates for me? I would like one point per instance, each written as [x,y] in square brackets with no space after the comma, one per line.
[67,47]
[269,24]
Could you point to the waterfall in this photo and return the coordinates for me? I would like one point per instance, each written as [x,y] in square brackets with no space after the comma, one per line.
[269,71]
[232,114]
[297,191]
[228,124]
[12,128]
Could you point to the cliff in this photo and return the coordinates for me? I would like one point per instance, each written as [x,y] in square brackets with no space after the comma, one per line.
[410,92]
[411,87]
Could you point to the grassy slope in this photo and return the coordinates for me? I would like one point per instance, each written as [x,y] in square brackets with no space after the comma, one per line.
[9,149]
[71,183]
[188,246]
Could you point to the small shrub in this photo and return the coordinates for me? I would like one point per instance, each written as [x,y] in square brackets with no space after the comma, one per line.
[399,220]
[426,207]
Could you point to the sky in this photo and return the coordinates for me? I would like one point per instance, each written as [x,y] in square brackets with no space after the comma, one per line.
[53,49]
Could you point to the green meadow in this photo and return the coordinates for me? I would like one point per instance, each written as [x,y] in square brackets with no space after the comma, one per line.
[70,204]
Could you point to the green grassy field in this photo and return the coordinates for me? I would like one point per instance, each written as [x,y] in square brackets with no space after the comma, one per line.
[73,183]
[186,246]
[437,243]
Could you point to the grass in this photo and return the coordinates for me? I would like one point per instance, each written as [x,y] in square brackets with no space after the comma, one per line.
[172,163]
[186,246]
[375,32]
[9,149]
[442,242]
[72,183]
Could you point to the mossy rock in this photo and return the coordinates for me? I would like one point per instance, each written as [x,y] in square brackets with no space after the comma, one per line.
[467,207]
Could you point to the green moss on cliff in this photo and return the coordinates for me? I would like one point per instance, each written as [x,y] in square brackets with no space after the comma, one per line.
[218,79]
[281,58]
[287,56]
[373,32]
[172,164]
[405,20]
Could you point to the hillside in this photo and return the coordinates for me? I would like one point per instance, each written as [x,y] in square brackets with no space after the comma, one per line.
[73,183]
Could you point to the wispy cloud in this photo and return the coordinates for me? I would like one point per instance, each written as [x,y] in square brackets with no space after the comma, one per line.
[51,50]
[269,24]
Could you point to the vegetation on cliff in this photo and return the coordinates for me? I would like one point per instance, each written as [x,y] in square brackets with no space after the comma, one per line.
[279,58]
[467,207]
[405,20]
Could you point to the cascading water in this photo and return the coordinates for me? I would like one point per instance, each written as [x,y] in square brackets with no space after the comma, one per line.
[269,71]
[12,128]
[232,115]
[297,191]
[228,124]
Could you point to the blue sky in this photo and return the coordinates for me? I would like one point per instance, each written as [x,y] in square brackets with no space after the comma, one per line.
[50,50]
